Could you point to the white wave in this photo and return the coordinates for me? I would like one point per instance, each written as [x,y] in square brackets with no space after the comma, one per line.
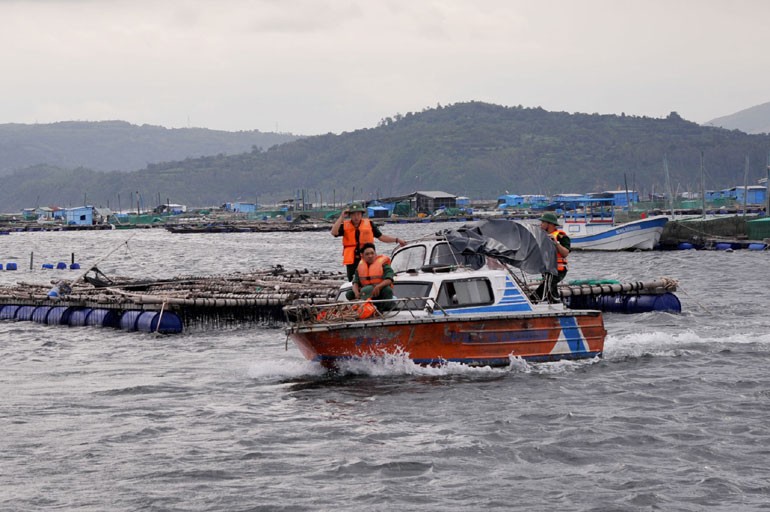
[279,369]
[616,348]
[554,367]
[401,364]
[675,344]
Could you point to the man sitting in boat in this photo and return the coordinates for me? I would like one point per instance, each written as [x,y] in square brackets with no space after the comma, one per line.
[373,273]
[550,224]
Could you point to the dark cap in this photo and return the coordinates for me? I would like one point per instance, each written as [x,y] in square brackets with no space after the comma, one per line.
[550,218]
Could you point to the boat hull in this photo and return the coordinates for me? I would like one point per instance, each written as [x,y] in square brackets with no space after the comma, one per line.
[642,234]
[487,341]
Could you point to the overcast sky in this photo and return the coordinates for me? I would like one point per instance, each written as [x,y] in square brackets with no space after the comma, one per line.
[318,66]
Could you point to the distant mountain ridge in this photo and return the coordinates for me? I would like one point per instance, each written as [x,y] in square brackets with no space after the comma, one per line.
[118,145]
[751,120]
[473,149]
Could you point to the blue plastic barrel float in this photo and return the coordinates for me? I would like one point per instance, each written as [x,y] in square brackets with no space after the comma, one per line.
[74,266]
[153,321]
[10,266]
[24,313]
[101,317]
[627,304]
[684,246]
[128,319]
[723,246]
[47,266]
[581,302]
[757,246]
[612,303]
[8,312]
[61,265]
[40,314]
[664,303]
[59,315]
[79,316]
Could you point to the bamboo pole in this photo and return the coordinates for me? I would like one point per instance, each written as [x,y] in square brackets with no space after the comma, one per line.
[653,287]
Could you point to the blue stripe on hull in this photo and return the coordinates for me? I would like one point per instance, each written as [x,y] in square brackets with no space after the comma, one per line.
[652,224]
[512,300]
[572,334]
[498,308]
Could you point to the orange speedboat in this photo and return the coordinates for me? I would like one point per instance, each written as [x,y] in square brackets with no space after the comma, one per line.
[457,297]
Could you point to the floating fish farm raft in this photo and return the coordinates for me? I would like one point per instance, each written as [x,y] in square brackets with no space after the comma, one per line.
[213,302]
[169,306]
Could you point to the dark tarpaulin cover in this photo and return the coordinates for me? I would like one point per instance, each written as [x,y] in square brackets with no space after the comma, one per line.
[526,247]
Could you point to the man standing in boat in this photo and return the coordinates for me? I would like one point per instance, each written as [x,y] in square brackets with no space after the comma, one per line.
[355,232]
[550,224]
[373,278]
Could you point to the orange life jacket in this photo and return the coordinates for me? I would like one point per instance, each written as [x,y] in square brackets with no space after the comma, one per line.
[350,245]
[365,309]
[561,261]
[372,274]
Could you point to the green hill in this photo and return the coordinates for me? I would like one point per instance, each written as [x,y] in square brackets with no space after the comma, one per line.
[117,145]
[474,149]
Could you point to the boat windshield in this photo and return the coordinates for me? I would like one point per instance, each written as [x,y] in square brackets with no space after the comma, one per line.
[444,255]
[409,258]
[413,257]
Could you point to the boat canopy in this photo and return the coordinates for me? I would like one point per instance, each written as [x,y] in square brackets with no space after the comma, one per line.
[528,248]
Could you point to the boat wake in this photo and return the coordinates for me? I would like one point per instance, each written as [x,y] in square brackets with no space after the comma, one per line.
[618,348]
[400,364]
[276,370]
[663,344]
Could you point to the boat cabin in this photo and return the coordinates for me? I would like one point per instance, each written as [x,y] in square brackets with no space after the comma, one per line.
[457,283]
[596,210]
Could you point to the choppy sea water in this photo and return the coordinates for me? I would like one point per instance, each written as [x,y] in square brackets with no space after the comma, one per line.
[676,416]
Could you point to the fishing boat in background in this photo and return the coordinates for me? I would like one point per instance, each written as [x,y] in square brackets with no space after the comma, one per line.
[590,224]
[457,298]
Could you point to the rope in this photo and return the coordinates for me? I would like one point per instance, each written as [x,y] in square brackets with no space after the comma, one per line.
[160,317]
[704,308]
